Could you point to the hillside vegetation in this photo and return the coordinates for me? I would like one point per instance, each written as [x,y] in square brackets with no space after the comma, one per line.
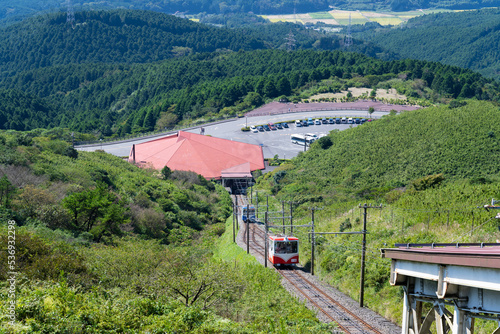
[431,169]
[116,36]
[97,196]
[466,39]
[461,143]
[119,99]
[102,246]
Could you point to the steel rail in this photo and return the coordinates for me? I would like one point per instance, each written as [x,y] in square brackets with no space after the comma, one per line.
[354,323]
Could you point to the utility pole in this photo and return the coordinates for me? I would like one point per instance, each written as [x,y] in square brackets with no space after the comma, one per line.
[237,211]
[365,207]
[257,208]
[248,229]
[291,217]
[283,215]
[234,216]
[265,241]
[312,241]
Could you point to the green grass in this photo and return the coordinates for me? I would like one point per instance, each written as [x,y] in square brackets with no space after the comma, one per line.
[321,15]
[378,163]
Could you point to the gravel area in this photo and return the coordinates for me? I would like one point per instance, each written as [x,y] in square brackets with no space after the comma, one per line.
[371,317]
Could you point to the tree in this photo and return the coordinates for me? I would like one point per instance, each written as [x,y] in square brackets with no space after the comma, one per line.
[283,87]
[325,142]
[192,276]
[253,99]
[87,206]
[166,172]
[373,94]
[166,120]
[6,191]
[270,88]
[370,111]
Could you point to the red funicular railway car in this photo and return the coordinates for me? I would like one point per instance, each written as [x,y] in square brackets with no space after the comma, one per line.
[283,250]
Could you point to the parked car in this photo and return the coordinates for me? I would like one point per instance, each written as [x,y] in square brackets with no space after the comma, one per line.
[310,121]
[272,126]
[279,126]
[298,123]
[267,128]
[357,121]
[260,128]
[331,121]
[363,120]
[285,125]
[253,128]
[324,121]
[317,122]
[337,120]
[305,123]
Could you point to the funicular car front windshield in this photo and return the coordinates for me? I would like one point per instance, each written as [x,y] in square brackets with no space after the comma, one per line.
[285,247]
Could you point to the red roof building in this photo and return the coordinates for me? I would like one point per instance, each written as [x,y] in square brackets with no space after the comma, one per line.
[208,156]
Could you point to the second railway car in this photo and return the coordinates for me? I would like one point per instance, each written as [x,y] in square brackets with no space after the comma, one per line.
[283,250]
[248,212]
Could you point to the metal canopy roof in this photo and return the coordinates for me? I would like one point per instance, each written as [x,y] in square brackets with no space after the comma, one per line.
[205,155]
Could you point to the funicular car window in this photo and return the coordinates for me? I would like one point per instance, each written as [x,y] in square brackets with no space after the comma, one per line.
[284,247]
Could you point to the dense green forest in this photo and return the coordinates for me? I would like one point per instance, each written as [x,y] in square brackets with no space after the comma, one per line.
[466,39]
[120,99]
[122,72]
[127,36]
[111,37]
[431,169]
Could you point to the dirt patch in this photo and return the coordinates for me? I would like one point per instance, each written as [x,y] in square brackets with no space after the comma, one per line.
[358,92]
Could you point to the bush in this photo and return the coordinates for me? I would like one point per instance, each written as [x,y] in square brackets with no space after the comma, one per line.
[325,142]
[427,182]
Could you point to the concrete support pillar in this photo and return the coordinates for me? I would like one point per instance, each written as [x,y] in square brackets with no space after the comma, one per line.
[406,313]
[458,321]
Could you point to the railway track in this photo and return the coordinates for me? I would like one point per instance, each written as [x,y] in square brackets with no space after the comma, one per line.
[345,319]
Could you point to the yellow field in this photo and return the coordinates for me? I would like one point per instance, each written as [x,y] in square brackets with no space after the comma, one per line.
[385,21]
[341,17]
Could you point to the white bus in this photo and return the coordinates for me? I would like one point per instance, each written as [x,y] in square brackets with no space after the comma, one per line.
[302,139]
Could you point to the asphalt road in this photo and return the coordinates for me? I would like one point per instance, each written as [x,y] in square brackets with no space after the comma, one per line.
[273,142]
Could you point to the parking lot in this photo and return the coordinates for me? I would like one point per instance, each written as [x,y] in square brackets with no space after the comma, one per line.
[273,143]
[278,142]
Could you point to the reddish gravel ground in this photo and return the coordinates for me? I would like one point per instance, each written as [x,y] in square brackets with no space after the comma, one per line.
[283,108]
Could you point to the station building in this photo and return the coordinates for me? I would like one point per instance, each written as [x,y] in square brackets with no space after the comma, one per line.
[227,161]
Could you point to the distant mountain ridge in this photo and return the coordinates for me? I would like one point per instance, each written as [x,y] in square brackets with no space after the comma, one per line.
[12,11]
[117,36]
[467,39]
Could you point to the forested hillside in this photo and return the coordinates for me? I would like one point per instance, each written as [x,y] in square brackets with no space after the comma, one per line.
[122,99]
[467,39]
[101,196]
[111,37]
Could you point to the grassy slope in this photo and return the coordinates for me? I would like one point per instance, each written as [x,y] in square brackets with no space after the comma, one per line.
[460,143]
[380,160]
